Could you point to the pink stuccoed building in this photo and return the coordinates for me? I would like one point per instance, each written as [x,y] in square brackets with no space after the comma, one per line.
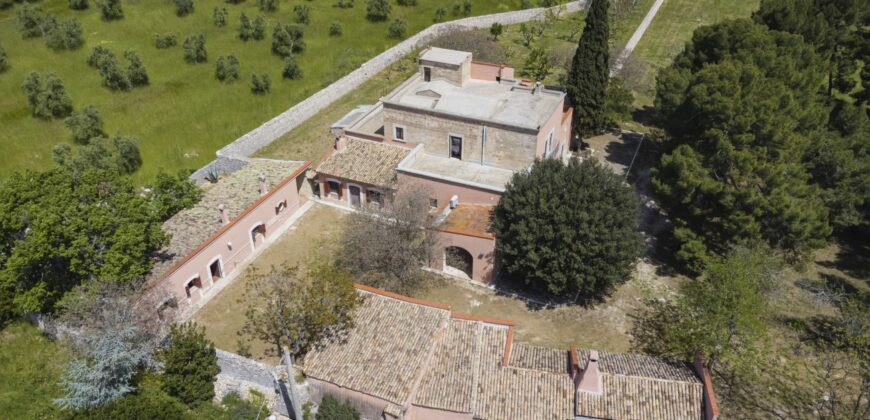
[235,217]
[458,129]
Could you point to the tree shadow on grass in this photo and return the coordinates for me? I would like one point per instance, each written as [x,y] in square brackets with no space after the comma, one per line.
[853,257]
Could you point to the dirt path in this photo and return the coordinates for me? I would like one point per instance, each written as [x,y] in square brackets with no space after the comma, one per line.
[635,38]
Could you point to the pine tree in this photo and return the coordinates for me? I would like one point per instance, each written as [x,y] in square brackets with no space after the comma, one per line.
[190,364]
[588,77]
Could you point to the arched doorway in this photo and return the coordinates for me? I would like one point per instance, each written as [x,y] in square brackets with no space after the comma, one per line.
[458,262]
[258,235]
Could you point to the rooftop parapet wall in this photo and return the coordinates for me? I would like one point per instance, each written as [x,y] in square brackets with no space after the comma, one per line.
[283,123]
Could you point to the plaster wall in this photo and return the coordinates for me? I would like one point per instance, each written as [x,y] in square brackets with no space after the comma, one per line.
[424,413]
[561,132]
[369,407]
[442,190]
[234,245]
[482,250]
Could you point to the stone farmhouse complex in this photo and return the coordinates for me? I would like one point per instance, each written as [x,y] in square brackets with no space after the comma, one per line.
[458,129]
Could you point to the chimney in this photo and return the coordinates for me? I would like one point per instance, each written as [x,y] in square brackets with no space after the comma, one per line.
[340,143]
[263,189]
[225,217]
[590,379]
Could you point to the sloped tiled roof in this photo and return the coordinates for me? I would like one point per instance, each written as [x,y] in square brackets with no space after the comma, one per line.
[365,161]
[539,358]
[417,353]
[192,227]
[640,387]
[384,352]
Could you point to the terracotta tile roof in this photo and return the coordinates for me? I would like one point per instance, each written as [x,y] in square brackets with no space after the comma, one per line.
[384,352]
[365,161]
[641,365]
[191,227]
[450,382]
[513,393]
[637,398]
[412,352]
[640,387]
[466,376]
[539,358]
[468,219]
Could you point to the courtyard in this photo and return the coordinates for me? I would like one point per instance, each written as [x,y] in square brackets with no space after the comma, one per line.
[317,234]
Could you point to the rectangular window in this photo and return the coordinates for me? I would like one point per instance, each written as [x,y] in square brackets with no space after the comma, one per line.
[427,74]
[374,196]
[398,133]
[455,147]
[334,188]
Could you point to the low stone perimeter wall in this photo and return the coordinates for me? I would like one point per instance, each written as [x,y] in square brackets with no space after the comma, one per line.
[231,155]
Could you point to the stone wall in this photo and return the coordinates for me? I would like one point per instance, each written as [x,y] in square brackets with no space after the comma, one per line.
[270,131]
[507,149]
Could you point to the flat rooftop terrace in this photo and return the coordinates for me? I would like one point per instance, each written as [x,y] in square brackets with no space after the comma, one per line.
[421,163]
[503,102]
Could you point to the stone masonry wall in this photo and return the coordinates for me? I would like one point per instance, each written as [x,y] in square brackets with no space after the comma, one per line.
[262,136]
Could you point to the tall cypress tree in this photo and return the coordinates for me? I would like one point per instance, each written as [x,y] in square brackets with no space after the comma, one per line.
[587,81]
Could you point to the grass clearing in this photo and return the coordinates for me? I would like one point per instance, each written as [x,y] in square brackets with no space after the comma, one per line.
[311,139]
[314,235]
[185,114]
[30,368]
[668,33]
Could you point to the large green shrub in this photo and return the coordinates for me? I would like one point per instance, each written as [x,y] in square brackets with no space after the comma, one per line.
[568,230]
[110,9]
[332,408]
[378,10]
[194,49]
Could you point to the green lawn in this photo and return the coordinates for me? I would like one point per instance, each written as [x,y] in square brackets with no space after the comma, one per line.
[311,139]
[672,27]
[185,115]
[30,368]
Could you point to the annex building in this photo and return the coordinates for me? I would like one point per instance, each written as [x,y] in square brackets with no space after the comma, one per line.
[457,129]
[411,359]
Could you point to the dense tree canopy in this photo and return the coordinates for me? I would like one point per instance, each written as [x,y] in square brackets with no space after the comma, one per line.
[568,230]
[58,229]
[741,102]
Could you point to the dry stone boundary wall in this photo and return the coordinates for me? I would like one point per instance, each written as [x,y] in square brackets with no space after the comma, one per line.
[232,156]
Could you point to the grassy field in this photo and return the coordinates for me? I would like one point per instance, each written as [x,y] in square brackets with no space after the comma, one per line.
[672,27]
[311,139]
[185,115]
[30,368]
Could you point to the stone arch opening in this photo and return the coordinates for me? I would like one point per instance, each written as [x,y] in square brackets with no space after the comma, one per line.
[458,261]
